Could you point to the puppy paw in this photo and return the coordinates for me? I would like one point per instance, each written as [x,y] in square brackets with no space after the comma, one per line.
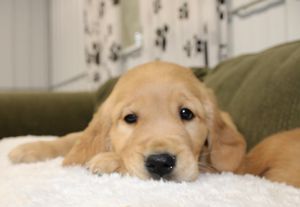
[105,163]
[31,152]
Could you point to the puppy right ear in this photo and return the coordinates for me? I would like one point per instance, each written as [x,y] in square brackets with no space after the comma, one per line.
[94,139]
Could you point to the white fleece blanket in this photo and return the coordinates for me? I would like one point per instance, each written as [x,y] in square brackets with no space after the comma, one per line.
[48,184]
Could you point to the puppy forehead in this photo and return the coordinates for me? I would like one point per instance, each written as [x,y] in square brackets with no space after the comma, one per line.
[156,72]
[157,94]
[157,80]
[156,75]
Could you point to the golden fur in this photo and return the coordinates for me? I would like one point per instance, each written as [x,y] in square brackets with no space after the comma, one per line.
[155,92]
[276,158]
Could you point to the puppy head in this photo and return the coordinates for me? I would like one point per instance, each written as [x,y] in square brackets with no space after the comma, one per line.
[159,119]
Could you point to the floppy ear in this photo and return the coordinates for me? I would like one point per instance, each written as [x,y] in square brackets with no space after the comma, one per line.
[93,140]
[227,145]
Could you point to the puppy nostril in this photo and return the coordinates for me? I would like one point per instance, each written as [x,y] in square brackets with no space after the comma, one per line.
[168,165]
[160,164]
[150,166]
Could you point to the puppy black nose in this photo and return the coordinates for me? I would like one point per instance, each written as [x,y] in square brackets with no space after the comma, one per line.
[159,165]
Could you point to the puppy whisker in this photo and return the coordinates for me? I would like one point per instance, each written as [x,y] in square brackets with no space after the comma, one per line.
[205,167]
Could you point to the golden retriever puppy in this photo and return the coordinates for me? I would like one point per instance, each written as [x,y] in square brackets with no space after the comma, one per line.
[160,121]
[276,158]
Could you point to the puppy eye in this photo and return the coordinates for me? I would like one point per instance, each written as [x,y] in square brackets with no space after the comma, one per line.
[186,114]
[131,118]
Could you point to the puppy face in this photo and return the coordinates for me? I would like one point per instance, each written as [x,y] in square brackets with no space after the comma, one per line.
[165,122]
[159,122]
[160,119]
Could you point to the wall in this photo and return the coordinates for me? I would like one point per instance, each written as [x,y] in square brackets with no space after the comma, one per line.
[263,25]
[103,39]
[67,62]
[76,45]
[184,32]
[24,44]
[173,32]
[42,45]
[178,32]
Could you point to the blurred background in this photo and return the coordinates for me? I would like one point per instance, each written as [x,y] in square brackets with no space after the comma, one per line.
[76,45]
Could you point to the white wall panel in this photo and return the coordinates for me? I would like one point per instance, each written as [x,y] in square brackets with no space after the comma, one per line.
[22,38]
[40,45]
[6,44]
[24,44]
[82,84]
[67,41]
[293,19]
[276,26]
[264,28]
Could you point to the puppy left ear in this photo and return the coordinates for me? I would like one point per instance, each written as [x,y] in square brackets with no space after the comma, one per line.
[227,145]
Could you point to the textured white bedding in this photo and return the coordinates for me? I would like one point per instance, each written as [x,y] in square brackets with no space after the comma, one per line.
[48,184]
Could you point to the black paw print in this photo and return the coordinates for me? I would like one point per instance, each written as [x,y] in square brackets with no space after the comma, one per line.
[94,56]
[115,50]
[115,2]
[220,9]
[184,11]
[220,13]
[156,6]
[193,46]
[96,77]
[101,9]
[198,44]
[161,37]
[188,48]
[109,29]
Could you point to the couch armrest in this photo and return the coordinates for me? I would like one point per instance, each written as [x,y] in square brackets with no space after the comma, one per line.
[44,113]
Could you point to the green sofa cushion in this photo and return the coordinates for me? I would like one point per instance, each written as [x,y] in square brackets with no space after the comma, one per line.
[44,113]
[260,91]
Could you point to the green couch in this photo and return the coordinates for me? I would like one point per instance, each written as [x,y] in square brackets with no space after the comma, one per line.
[261,92]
